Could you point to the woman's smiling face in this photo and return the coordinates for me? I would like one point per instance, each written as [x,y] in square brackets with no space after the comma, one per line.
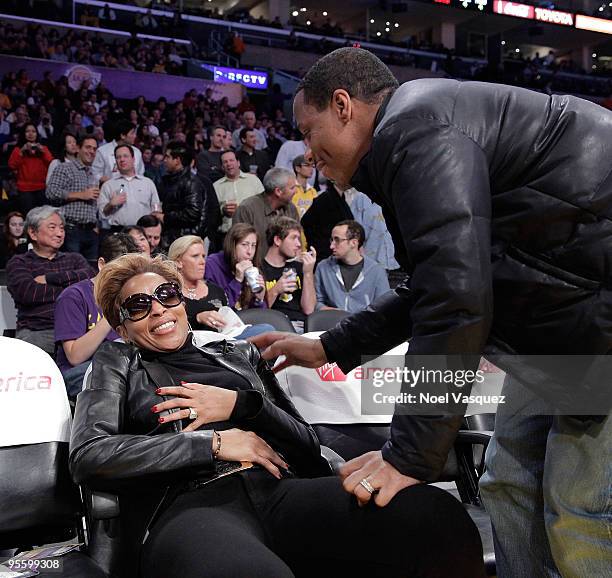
[164,328]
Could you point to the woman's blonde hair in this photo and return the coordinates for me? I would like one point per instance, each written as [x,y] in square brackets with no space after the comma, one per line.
[117,273]
[181,245]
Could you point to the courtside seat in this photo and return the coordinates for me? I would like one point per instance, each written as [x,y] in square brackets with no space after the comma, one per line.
[39,504]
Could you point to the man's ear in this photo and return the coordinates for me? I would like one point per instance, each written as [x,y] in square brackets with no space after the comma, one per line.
[342,105]
[32,234]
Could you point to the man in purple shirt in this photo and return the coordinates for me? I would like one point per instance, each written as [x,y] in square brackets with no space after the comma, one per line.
[80,327]
[36,278]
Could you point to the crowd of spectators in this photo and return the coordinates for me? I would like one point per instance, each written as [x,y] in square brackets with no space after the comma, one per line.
[82,47]
[82,166]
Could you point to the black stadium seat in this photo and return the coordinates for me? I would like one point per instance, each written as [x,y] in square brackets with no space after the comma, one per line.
[39,504]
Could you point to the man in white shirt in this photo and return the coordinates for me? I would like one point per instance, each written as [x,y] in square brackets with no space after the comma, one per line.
[126,198]
[248,121]
[234,188]
[104,166]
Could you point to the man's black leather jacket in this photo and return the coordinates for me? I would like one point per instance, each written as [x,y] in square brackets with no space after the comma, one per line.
[499,201]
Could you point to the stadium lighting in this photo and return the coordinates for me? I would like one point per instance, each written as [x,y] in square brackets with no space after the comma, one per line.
[594,55]
[601,9]
[594,67]
[386,23]
[386,29]
[324,13]
[396,25]
[302,9]
[371,20]
[295,13]
[503,43]
[517,50]
[308,22]
[378,34]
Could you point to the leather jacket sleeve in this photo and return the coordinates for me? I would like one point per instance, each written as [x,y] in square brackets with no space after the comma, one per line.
[279,422]
[382,326]
[191,197]
[102,454]
[210,218]
[436,179]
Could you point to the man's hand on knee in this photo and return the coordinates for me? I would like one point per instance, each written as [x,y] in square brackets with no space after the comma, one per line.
[369,476]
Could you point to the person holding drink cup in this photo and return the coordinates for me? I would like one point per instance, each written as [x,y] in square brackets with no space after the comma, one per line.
[126,198]
[289,272]
[73,187]
[235,269]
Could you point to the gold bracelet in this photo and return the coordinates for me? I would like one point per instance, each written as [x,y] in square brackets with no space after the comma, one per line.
[218,448]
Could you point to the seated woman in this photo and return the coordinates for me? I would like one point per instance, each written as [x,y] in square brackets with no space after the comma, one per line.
[12,238]
[215,467]
[80,327]
[203,300]
[226,268]
[140,238]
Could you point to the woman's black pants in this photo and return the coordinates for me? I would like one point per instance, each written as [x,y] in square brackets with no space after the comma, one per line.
[253,526]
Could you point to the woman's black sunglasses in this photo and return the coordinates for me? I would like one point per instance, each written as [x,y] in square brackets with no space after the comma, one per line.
[138,306]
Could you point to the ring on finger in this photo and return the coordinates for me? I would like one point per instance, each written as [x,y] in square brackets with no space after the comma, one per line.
[193,413]
[367,486]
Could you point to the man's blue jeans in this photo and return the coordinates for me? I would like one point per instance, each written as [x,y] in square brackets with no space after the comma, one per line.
[548,490]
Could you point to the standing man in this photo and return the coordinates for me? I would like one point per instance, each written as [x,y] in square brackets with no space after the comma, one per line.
[126,198]
[232,189]
[348,280]
[248,121]
[251,160]
[73,188]
[288,272]
[502,219]
[184,196]
[275,201]
[105,165]
[208,163]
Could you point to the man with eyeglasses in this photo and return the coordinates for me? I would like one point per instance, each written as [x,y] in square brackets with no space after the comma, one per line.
[304,193]
[347,280]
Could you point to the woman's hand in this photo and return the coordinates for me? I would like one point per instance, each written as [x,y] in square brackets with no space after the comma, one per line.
[212,319]
[212,403]
[262,284]
[239,446]
[241,268]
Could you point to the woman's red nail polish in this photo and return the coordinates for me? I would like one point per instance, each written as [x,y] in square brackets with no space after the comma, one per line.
[161,420]
[154,409]
[183,382]
[158,390]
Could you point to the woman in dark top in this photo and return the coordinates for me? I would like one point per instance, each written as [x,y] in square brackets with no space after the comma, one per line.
[214,466]
[203,299]
[12,240]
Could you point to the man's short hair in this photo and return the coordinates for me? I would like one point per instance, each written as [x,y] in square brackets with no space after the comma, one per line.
[243,133]
[37,215]
[281,227]
[148,221]
[84,137]
[180,150]
[123,146]
[116,245]
[297,161]
[123,126]
[276,178]
[217,127]
[364,76]
[354,230]
[228,151]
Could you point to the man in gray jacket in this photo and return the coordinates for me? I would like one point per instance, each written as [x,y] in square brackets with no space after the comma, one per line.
[348,280]
[499,201]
